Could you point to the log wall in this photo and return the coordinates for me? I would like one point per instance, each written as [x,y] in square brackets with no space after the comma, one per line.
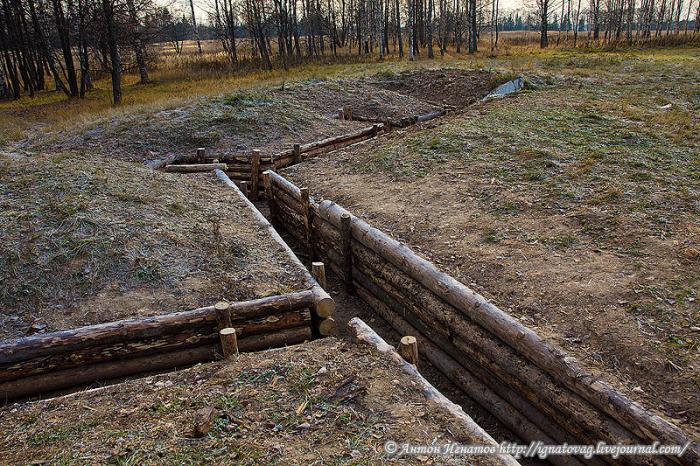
[54,361]
[536,390]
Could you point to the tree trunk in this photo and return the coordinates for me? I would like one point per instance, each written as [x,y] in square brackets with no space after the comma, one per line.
[114,58]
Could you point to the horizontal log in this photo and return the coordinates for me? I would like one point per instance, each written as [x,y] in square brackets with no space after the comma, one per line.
[195,168]
[469,428]
[101,334]
[429,116]
[553,360]
[561,405]
[60,380]
[473,387]
[324,305]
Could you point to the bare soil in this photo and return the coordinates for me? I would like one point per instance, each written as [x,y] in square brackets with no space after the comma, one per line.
[328,401]
[270,119]
[85,241]
[574,207]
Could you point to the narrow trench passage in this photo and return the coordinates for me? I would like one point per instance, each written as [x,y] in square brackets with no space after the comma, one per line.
[349,306]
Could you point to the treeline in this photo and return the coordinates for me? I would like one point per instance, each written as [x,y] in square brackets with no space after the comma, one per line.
[64,44]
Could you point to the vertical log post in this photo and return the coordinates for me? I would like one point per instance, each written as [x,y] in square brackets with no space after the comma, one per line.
[408,349]
[223,315]
[308,223]
[347,110]
[375,130]
[229,342]
[297,153]
[318,270]
[270,198]
[254,174]
[341,114]
[244,188]
[201,154]
[346,235]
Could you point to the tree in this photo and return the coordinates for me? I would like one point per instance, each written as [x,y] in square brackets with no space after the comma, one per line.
[114,58]
[543,14]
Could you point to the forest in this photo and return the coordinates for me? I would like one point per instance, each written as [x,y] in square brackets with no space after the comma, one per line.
[65,45]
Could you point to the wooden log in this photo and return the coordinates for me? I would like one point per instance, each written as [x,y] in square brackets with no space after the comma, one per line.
[318,270]
[469,428]
[408,349]
[324,304]
[196,168]
[254,174]
[223,316]
[346,235]
[327,326]
[308,224]
[35,346]
[472,386]
[347,112]
[341,114]
[244,189]
[271,201]
[554,360]
[59,380]
[229,342]
[562,406]
[429,116]
[137,347]
[201,154]
[297,153]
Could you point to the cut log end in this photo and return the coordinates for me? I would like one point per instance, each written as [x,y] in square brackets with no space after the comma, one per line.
[408,349]
[229,342]
[327,326]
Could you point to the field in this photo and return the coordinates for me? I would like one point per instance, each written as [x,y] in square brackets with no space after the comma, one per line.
[574,205]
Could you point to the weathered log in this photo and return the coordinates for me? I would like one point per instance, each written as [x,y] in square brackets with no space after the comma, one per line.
[327,326]
[324,305]
[254,174]
[203,421]
[318,270]
[195,168]
[223,316]
[470,429]
[35,346]
[307,215]
[59,380]
[271,200]
[554,360]
[429,116]
[138,346]
[562,406]
[229,342]
[408,349]
[346,248]
[296,150]
[472,386]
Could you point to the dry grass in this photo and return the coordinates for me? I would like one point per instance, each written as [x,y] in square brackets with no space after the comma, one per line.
[574,205]
[84,241]
[325,402]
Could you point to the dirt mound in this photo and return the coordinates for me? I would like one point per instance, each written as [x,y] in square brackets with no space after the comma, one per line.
[327,401]
[457,88]
[83,241]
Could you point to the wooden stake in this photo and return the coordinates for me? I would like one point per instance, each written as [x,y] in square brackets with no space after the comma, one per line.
[375,130]
[327,326]
[308,223]
[341,114]
[244,188]
[223,315]
[271,203]
[229,342]
[254,174]
[347,110]
[408,349]
[318,270]
[297,153]
[346,234]
[200,154]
